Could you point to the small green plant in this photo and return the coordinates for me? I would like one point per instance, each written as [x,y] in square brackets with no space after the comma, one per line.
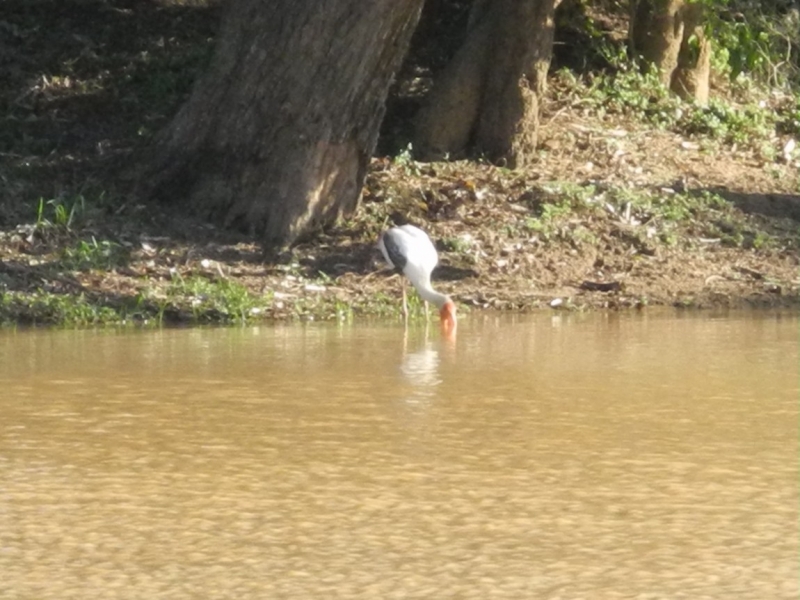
[561,197]
[405,159]
[583,235]
[221,299]
[635,93]
[342,311]
[545,228]
[87,255]
[758,42]
[723,121]
[668,237]
[761,240]
[455,244]
[59,214]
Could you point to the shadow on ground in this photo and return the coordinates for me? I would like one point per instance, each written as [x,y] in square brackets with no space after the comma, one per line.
[86,84]
[768,205]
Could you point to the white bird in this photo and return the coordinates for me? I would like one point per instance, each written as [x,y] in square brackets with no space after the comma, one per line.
[409,250]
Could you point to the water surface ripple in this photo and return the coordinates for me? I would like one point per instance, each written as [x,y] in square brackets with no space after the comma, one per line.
[599,456]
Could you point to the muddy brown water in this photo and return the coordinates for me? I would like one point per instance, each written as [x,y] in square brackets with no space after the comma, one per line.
[560,456]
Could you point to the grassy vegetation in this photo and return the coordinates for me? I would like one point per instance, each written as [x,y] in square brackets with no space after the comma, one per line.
[677,219]
[45,308]
[90,254]
[750,117]
[214,300]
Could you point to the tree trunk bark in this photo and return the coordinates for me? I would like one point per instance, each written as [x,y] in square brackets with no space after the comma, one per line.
[520,57]
[488,97]
[443,127]
[693,73]
[669,34]
[656,32]
[277,137]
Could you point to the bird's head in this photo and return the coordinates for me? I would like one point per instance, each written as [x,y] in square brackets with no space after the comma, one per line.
[448,316]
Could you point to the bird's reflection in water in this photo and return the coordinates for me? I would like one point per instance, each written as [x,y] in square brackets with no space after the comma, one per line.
[420,367]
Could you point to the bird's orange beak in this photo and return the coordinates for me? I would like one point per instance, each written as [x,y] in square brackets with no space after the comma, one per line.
[448,317]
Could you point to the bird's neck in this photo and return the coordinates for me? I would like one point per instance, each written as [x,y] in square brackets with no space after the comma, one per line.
[427,293]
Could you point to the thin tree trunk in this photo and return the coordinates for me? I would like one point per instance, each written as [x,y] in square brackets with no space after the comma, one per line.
[488,97]
[669,34]
[656,34]
[444,125]
[691,77]
[276,138]
[520,57]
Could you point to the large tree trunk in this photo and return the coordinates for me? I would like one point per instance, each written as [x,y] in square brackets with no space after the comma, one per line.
[669,35]
[487,99]
[276,138]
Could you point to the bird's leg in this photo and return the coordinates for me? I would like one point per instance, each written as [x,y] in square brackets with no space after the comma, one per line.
[405,302]
[427,315]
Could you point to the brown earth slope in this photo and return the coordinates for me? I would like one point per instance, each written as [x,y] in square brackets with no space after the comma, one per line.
[615,213]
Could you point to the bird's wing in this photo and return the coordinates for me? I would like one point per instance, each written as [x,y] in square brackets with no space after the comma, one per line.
[420,249]
[394,249]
